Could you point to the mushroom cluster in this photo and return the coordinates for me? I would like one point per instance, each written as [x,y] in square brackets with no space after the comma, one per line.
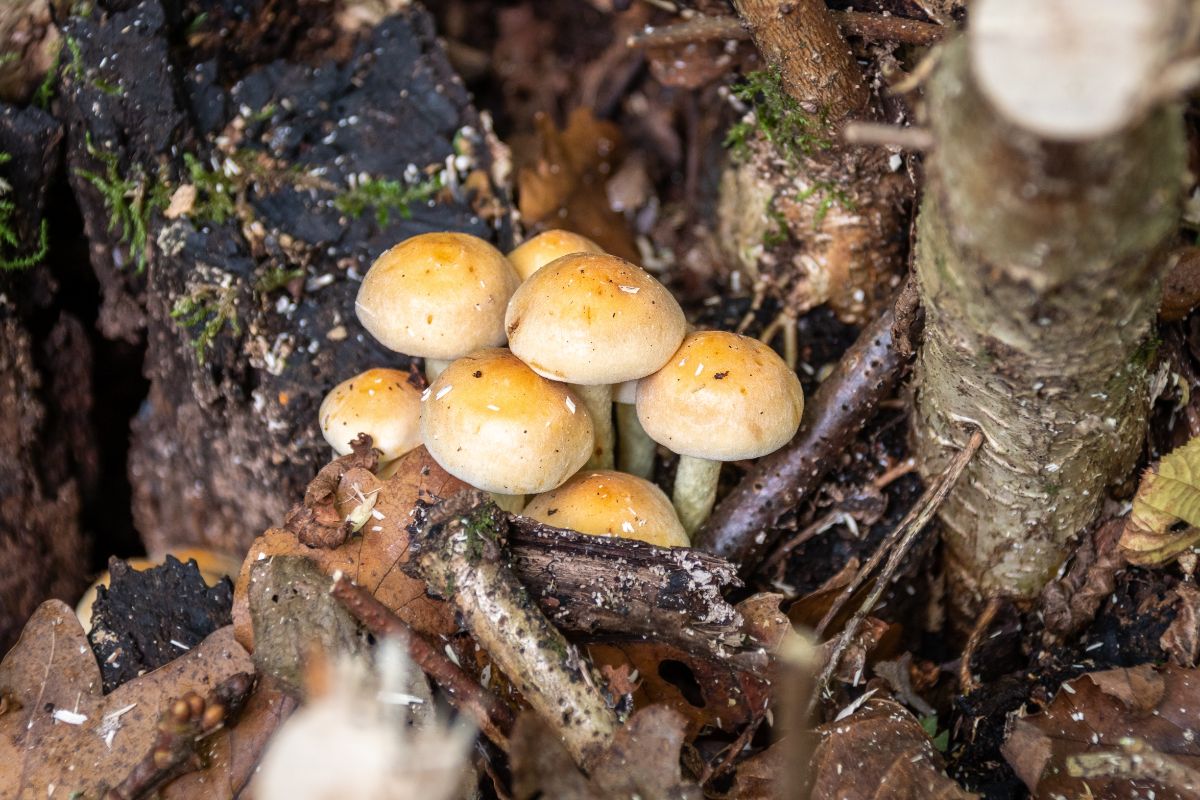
[583,329]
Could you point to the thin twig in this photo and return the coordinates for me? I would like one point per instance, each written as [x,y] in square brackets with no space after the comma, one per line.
[965,680]
[705,28]
[493,717]
[882,134]
[889,28]
[187,721]
[896,545]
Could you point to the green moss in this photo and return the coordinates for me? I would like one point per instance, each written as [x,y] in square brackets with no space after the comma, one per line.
[777,232]
[130,200]
[276,278]
[214,194]
[941,740]
[208,310]
[78,70]
[386,196]
[778,119]
[45,91]
[8,231]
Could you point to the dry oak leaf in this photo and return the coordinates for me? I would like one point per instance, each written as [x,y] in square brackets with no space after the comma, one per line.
[642,762]
[373,556]
[880,751]
[59,735]
[707,692]
[1169,493]
[565,185]
[1092,714]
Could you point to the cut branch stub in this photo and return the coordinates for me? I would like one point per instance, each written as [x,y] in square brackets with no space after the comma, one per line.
[1040,273]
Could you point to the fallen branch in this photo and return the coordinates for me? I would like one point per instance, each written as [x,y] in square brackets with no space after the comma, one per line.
[745,524]
[181,727]
[895,546]
[457,551]
[705,28]
[491,715]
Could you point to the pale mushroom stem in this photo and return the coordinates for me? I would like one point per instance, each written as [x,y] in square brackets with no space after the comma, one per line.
[434,367]
[695,490]
[598,401]
[635,449]
[512,503]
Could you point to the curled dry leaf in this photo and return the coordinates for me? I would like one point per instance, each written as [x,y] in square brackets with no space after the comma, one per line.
[1072,601]
[565,186]
[707,692]
[1095,713]
[1181,639]
[373,557]
[60,735]
[879,751]
[1168,494]
[642,761]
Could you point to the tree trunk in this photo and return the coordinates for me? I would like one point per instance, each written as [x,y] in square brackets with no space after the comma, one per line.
[1039,264]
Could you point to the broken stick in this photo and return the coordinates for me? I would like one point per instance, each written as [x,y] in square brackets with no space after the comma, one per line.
[458,554]
[745,525]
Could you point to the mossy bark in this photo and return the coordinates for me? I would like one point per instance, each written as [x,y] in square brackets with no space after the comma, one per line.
[1040,267]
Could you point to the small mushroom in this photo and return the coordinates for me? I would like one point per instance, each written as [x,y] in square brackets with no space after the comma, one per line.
[382,403]
[491,421]
[438,296]
[608,503]
[539,251]
[593,321]
[722,397]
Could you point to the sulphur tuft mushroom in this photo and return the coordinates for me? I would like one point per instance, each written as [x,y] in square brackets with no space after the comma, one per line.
[539,251]
[722,397]
[608,503]
[438,296]
[382,403]
[491,421]
[593,321]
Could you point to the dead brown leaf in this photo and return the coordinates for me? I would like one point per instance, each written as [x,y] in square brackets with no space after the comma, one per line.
[1093,714]
[1181,639]
[763,622]
[880,751]
[564,186]
[373,557]
[705,691]
[59,735]
[643,761]
[758,776]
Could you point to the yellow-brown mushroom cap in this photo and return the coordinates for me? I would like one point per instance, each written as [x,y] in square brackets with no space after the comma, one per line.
[593,319]
[437,295]
[379,402]
[608,503]
[721,397]
[491,421]
[539,251]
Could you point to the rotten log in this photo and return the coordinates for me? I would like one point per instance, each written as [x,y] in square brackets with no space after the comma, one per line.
[50,464]
[245,296]
[747,523]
